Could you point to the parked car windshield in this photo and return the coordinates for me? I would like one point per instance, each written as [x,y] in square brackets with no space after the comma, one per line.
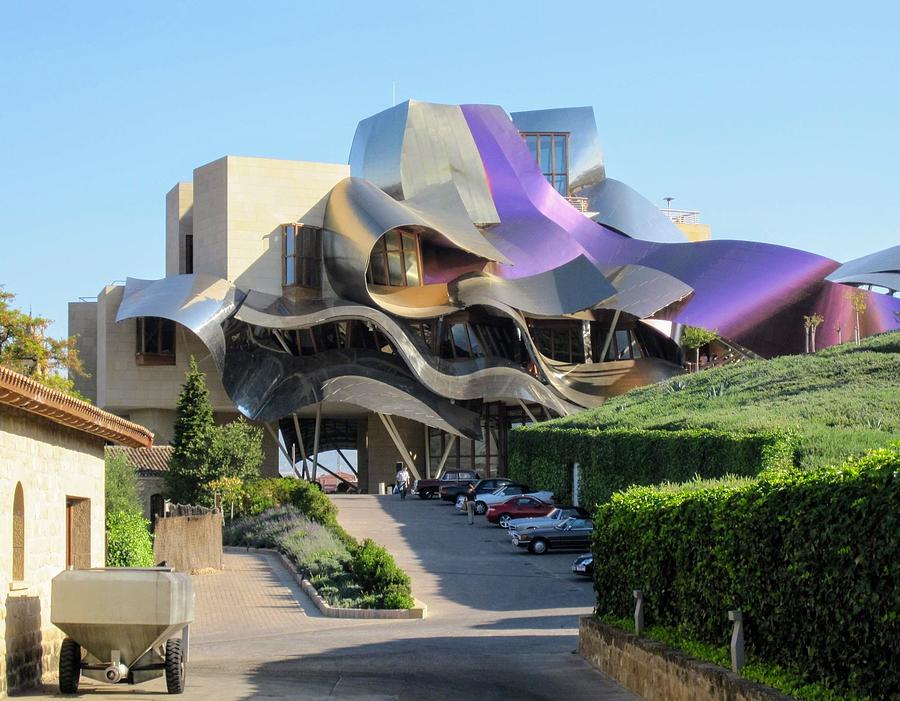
[564,525]
[579,523]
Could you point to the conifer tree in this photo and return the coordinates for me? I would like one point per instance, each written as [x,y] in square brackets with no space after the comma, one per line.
[189,465]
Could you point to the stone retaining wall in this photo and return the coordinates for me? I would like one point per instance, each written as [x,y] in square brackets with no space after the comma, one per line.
[657,673]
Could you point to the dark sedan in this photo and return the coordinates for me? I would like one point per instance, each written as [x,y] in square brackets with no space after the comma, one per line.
[572,534]
[584,565]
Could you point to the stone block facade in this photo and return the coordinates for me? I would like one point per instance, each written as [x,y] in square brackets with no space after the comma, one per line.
[55,466]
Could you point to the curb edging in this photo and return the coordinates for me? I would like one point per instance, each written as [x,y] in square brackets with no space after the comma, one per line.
[419,611]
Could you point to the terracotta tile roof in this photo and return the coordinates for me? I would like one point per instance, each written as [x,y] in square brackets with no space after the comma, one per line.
[147,461]
[22,392]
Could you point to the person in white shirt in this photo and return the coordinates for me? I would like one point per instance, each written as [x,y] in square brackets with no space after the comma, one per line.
[402,480]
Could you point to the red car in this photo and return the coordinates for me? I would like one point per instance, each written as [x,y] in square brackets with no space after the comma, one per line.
[517,507]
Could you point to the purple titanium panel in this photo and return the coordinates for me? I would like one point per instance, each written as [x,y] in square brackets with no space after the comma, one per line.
[748,292]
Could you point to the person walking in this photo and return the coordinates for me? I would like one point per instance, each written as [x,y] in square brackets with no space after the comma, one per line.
[402,480]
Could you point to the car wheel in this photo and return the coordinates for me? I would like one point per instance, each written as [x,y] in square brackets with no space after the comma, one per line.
[432,494]
[504,520]
[538,547]
[480,508]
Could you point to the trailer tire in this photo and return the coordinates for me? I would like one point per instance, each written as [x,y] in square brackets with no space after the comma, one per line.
[69,666]
[174,666]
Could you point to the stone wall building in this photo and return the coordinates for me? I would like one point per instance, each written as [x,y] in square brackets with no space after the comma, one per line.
[52,483]
[150,466]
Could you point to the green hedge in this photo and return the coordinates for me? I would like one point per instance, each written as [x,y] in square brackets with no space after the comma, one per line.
[128,541]
[542,456]
[812,559]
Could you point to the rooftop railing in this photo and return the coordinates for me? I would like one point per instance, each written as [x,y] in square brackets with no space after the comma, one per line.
[682,216]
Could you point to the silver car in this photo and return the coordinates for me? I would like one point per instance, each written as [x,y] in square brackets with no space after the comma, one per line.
[558,515]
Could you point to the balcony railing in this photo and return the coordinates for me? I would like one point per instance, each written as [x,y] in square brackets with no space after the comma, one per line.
[579,203]
[682,216]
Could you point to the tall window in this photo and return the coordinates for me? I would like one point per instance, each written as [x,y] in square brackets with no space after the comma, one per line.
[395,260]
[18,533]
[188,254]
[551,151]
[155,342]
[302,260]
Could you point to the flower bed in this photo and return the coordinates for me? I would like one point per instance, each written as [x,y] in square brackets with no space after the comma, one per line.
[347,574]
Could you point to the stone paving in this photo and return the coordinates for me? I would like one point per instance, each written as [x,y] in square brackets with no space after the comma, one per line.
[502,624]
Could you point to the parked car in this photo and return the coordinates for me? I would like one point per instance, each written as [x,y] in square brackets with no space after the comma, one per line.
[449,492]
[430,488]
[483,501]
[584,565]
[558,515]
[571,534]
[522,505]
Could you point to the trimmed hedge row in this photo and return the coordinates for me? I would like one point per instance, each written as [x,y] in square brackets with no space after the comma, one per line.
[542,455]
[812,559]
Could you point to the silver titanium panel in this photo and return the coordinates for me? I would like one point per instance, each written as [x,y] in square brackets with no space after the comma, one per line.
[377,144]
[438,149]
[643,291]
[888,280]
[199,302]
[415,146]
[886,261]
[630,213]
[585,154]
[571,287]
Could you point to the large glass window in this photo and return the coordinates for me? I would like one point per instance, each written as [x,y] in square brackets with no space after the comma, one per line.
[302,256]
[155,341]
[625,345]
[562,341]
[551,151]
[395,260]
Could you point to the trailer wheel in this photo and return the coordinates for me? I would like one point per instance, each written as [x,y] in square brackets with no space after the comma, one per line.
[174,666]
[69,666]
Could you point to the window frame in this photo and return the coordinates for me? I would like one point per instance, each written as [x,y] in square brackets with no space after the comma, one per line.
[305,262]
[554,173]
[381,254]
[159,355]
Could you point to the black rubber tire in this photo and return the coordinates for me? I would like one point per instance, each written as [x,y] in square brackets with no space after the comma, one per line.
[175,671]
[69,666]
[504,520]
[539,546]
[423,495]
[432,494]
[480,508]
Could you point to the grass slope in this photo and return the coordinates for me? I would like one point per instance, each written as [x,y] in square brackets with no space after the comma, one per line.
[842,400]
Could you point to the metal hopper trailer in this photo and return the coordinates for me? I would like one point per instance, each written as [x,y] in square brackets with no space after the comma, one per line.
[123,625]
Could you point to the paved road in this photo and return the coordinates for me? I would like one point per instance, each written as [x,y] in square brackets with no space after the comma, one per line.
[501,624]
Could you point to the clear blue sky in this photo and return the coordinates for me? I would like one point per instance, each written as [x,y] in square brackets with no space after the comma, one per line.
[779,121]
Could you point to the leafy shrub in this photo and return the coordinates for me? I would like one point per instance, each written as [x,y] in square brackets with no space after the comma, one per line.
[378,575]
[121,484]
[812,559]
[542,455]
[128,542]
